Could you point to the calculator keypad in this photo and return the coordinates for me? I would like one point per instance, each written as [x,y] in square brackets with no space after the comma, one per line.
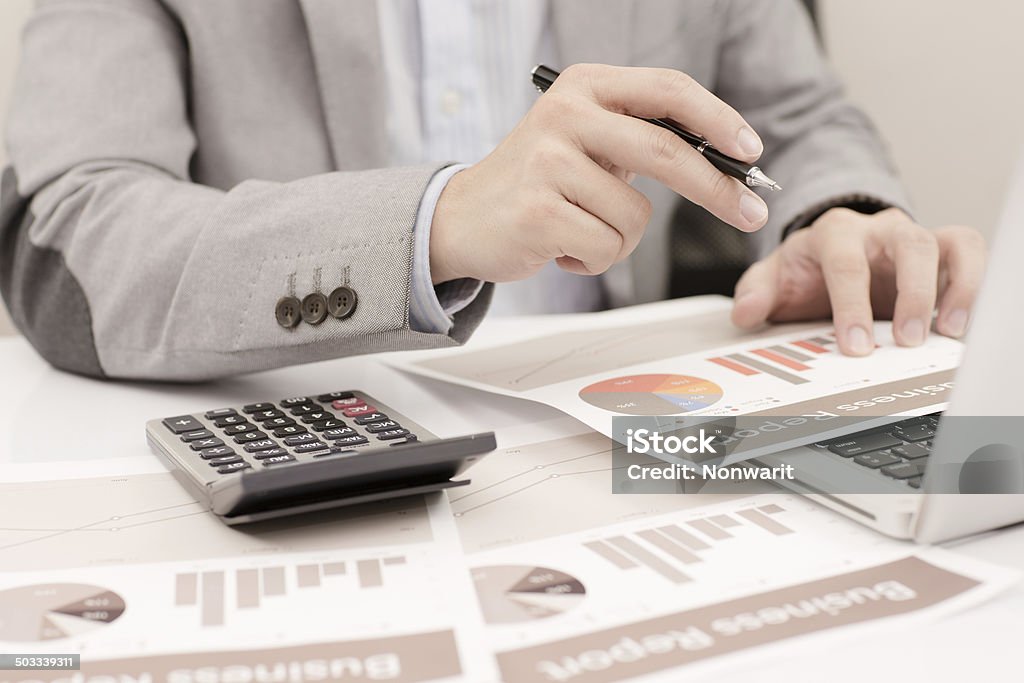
[299,439]
[240,428]
[270,434]
[392,434]
[309,447]
[270,453]
[324,425]
[277,460]
[215,452]
[334,396]
[183,423]
[249,437]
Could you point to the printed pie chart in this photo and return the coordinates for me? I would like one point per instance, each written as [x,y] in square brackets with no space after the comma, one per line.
[511,594]
[652,394]
[51,611]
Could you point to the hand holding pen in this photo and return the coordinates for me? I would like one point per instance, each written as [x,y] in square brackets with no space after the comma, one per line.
[544,77]
[556,188]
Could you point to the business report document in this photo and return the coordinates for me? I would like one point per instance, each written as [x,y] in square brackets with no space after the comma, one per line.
[685,358]
[146,585]
[533,572]
[578,585]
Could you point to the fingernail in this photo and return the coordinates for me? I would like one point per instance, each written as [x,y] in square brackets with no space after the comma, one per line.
[749,142]
[913,332]
[858,341]
[956,323]
[753,209]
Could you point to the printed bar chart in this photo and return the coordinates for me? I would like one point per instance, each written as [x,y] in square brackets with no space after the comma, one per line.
[209,590]
[611,554]
[641,554]
[684,538]
[725,521]
[734,366]
[248,587]
[777,360]
[668,549]
[668,546]
[212,608]
[811,346]
[185,588]
[709,529]
[308,575]
[780,359]
[789,353]
[765,522]
[369,573]
[768,369]
[273,581]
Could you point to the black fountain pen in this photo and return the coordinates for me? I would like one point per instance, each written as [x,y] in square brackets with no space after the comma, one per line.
[544,77]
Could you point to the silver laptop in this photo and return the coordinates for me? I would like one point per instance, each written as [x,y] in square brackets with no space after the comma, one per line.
[935,478]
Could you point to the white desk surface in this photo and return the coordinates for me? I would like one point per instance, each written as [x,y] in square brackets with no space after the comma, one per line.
[50,416]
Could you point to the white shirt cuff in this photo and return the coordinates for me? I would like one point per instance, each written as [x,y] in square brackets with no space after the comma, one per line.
[431,308]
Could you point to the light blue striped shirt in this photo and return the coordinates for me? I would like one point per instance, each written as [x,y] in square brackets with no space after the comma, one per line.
[457,78]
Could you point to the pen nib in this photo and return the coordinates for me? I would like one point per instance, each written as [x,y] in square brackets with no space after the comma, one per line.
[757,178]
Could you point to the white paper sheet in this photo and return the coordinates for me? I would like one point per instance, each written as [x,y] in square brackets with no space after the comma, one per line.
[718,585]
[685,358]
[135,576]
[579,584]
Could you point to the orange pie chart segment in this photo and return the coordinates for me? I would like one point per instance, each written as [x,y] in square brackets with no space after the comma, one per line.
[652,394]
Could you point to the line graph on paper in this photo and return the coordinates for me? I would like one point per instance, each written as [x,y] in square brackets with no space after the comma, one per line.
[555,358]
[551,488]
[113,520]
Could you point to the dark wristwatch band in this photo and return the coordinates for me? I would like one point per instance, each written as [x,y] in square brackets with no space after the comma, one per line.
[855,202]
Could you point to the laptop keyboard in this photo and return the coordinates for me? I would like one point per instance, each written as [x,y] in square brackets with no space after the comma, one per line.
[899,451]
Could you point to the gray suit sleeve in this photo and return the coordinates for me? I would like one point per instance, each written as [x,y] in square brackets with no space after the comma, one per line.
[115,264]
[818,146]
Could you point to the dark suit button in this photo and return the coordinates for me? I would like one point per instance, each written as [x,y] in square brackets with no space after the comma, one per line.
[288,312]
[342,302]
[314,308]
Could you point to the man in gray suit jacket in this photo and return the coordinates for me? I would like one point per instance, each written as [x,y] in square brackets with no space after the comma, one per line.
[203,188]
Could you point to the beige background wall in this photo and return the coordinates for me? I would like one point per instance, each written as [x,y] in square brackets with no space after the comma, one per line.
[941,78]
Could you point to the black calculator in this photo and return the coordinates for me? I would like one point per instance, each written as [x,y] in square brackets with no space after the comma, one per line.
[305,453]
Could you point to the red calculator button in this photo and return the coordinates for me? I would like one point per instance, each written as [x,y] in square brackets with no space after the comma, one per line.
[341,404]
[356,411]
